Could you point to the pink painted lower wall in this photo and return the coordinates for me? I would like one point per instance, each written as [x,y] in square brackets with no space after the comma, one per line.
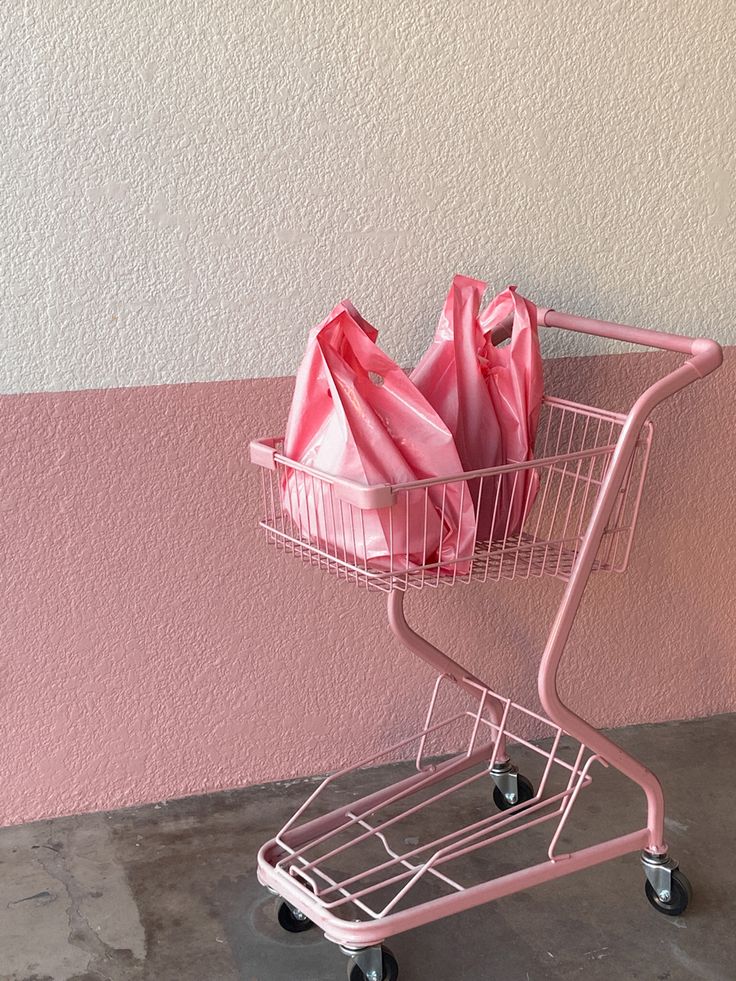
[153,646]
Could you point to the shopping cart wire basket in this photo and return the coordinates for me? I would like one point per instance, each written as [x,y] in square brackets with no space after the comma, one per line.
[351,870]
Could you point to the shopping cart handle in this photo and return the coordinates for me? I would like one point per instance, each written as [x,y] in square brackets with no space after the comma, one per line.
[705,355]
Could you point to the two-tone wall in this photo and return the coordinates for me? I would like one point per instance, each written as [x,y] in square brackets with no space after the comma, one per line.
[187,188]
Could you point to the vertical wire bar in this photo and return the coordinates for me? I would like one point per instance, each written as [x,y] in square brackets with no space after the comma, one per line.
[320,561]
[339,536]
[302,519]
[391,541]
[561,476]
[463,485]
[637,500]
[407,539]
[529,475]
[365,548]
[573,492]
[584,510]
[563,416]
[552,409]
[269,519]
[278,486]
[548,470]
[478,507]
[424,535]
[268,497]
[510,508]
[474,734]
[575,771]
[583,516]
[428,720]
[619,530]
[491,538]
[308,516]
[348,537]
[295,532]
[318,486]
[355,556]
[442,525]
[563,534]
[548,766]
[574,542]
[606,536]
[569,806]
[555,477]
[276,498]
[323,542]
[351,573]
[263,494]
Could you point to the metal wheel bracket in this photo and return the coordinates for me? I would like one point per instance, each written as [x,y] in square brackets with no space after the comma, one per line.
[369,960]
[506,778]
[658,870]
[296,913]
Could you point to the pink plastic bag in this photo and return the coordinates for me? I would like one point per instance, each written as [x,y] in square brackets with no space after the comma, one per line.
[356,415]
[489,397]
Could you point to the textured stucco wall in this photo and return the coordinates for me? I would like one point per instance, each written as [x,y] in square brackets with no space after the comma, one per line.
[187,186]
[154,646]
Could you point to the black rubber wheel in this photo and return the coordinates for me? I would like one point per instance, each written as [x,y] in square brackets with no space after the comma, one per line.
[290,922]
[390,968]
[526,793]
[681,895]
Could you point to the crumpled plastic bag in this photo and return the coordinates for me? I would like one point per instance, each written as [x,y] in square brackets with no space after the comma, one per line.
[489,397]
[355,414]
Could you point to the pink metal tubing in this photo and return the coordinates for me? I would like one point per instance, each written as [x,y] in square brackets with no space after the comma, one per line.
[444,665]
[312,832]
[706,355]
[486,829]
[354,819]
[366,934]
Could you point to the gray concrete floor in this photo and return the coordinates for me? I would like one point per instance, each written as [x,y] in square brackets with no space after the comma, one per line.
[168,892]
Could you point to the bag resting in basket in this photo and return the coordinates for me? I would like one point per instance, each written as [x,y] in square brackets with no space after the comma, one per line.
[489,397]
[355,414]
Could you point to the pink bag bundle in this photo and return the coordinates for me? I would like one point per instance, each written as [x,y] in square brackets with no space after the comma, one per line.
[357,415]
[489,397]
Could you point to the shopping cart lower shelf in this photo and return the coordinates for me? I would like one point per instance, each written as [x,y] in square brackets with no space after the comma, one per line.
[363,870]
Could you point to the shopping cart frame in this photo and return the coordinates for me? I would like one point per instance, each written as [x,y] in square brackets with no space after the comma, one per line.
[281,863]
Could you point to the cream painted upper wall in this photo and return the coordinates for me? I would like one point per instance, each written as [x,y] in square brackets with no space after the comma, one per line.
[188,186]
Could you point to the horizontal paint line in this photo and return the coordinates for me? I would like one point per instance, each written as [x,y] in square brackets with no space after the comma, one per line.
[266,378]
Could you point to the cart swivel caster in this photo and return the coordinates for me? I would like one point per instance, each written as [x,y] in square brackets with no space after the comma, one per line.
[291,919]
[511,787]
[667,889]
[372,964]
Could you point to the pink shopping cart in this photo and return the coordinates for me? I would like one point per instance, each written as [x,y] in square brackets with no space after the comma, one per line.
[358,869]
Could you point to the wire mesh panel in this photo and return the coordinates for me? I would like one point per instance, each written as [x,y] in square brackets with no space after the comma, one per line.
[520,520]
[373,856]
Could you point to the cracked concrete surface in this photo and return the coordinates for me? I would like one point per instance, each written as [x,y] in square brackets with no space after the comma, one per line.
[167,892]
[66,908]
